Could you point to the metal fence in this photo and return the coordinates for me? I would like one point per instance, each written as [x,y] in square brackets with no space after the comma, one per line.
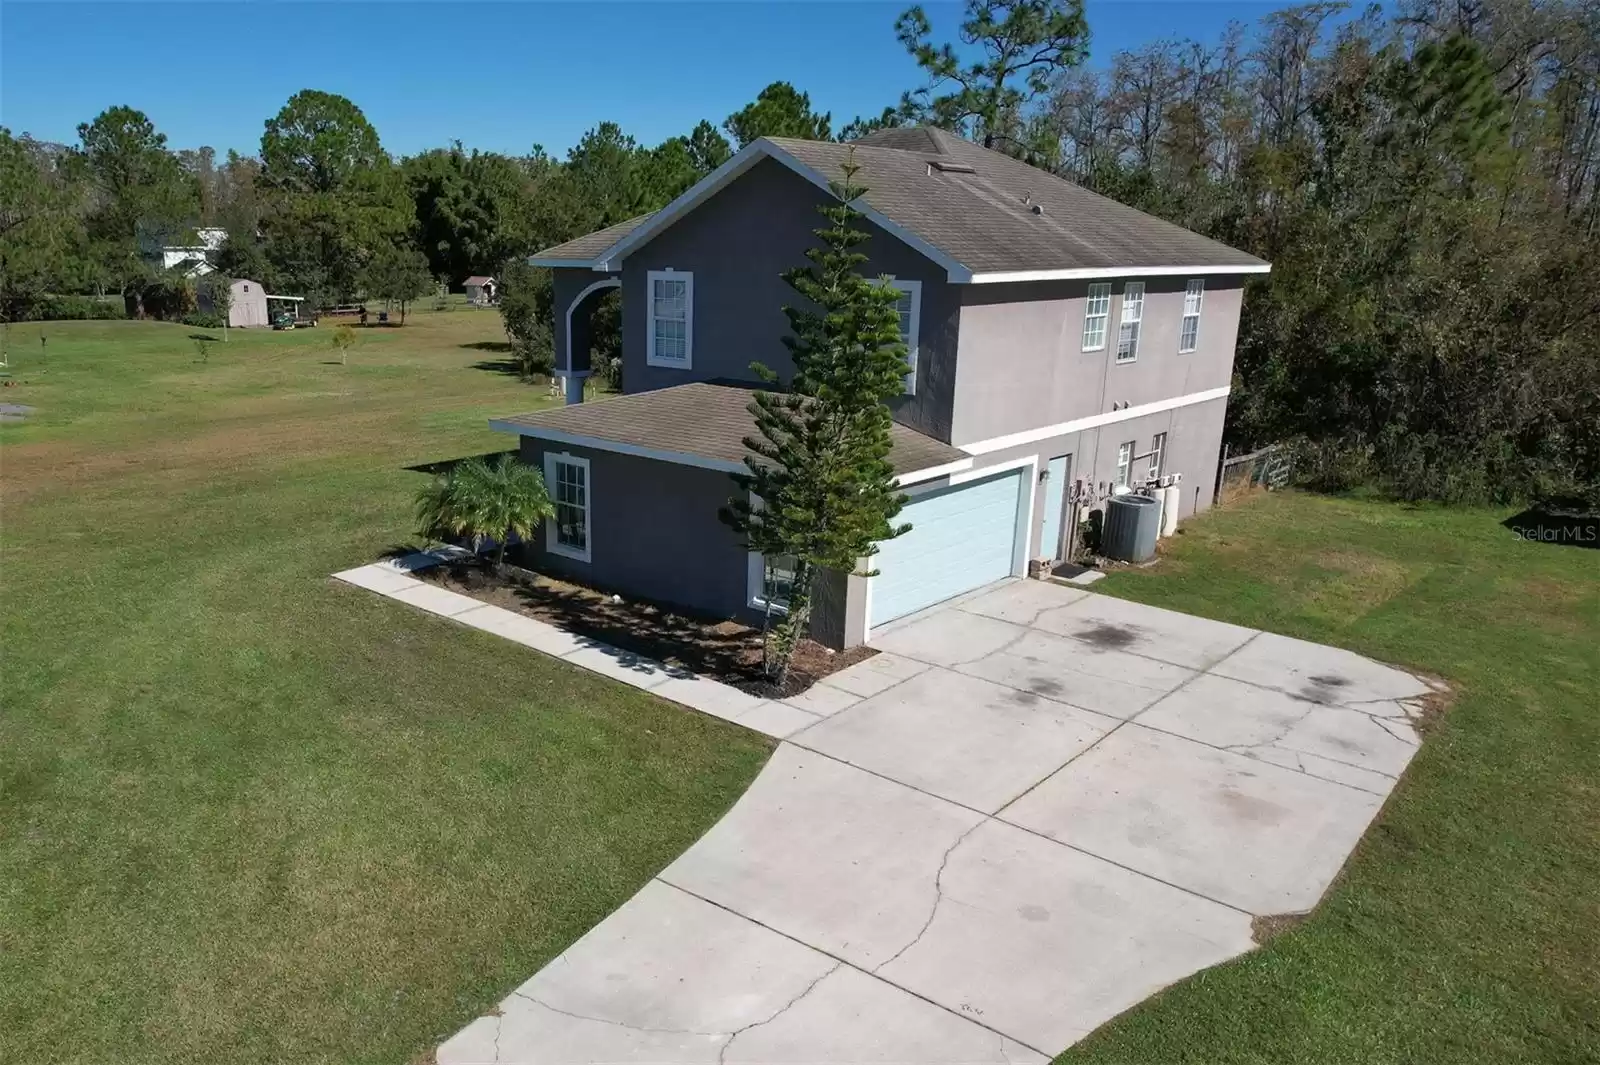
[1265,468]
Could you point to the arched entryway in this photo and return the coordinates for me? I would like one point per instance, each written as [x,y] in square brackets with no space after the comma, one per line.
[577,331]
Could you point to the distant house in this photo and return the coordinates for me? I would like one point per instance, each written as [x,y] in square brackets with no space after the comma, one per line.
[481,291]
[193,259]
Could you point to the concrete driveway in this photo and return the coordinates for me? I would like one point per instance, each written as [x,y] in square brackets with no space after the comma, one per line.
[1036,807]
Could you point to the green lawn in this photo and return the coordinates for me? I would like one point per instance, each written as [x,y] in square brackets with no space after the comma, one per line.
[248,813]
[1466,928]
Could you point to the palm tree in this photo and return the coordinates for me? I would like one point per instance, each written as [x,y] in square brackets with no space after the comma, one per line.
[478,502]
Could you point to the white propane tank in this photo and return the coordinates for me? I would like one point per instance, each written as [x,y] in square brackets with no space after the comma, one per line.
[1169,509]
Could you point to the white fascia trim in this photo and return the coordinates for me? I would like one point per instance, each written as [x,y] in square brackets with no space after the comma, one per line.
[1095,421]
[747,157]
[931,472]
[989,471]
[1103,272]
[582,264]
[610,282]
[677,458]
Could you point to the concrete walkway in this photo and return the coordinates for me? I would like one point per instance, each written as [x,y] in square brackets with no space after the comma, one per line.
[1033,809]
[392,578]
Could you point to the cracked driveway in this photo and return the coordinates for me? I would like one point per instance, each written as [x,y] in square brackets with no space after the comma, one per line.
[1034,808]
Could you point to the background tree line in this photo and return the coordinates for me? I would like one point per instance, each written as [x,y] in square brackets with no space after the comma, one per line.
[323,210]
[1425,180]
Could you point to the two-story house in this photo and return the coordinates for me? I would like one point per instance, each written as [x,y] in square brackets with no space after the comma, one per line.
[1054,336]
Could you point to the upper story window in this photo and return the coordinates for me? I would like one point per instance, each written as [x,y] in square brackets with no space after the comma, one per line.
[567,533]
[1124,462]
[1096,311]
[910,309]
[1132,317]
[1189,335]
[670,334]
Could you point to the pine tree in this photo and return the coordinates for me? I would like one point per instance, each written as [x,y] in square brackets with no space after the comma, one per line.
[820,489]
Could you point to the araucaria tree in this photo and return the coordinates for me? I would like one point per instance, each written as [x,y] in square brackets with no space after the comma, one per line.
[819,492]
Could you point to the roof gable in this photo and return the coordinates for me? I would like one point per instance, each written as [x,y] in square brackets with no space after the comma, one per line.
[981,215]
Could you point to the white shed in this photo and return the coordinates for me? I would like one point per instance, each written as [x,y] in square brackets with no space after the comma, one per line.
[247,304]
[481,291]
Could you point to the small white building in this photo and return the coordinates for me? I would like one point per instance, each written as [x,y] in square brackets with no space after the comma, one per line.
[249,304]
[194,259]
[481,291]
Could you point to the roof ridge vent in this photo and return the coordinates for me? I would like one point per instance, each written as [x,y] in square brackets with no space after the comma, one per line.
[948,167]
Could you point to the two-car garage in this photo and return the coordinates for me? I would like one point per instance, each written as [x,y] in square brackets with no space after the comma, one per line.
[962,537]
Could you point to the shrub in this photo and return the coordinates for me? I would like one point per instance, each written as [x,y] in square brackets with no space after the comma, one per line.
[478,502]
[67,309]
[203,321]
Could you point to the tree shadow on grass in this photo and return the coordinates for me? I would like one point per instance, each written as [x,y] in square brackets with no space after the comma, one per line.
[489,345]
[446,465]
[505,367]
[205,336]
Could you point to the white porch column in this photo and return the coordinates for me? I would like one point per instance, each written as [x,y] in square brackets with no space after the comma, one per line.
[573,381]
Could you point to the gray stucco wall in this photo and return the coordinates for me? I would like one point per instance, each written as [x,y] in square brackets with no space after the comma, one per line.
[1021,363]
[737,244]
[1193,448]
[654,534]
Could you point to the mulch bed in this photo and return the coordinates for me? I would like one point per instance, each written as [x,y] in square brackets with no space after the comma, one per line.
[723,650]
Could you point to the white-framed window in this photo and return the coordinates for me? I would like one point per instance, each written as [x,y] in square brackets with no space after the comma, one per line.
[910,311]
[669,333]
[1132,317]
[1189,335]
[567,478]
[1124,462]
[770,582]
[1096,312]
[1158,452]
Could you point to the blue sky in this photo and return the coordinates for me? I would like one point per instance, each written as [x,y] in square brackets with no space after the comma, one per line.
[497,76]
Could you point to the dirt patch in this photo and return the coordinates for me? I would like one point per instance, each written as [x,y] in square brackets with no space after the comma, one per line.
[1434,705]
[722,650]
[1265,929]
[1351,584]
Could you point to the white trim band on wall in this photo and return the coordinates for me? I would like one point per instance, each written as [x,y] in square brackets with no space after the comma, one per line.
[1095,421]
[1114,272]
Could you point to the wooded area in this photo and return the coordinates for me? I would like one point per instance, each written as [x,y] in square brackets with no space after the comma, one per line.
[1425,181]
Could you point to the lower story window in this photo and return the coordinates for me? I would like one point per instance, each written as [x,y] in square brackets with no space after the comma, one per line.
[1124,462]
[1158,454]
[567,478]
[771,581]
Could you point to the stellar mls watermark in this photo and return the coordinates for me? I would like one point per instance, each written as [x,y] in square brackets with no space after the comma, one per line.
[1559,534]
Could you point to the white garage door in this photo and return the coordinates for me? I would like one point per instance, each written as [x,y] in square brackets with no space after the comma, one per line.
[961,538]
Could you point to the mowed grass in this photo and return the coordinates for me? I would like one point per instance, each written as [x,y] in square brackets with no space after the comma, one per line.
[249,814]
[1466,928]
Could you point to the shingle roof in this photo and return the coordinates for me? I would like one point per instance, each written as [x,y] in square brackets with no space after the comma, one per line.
[709,421]
[982,210]
[986,219]
[592,244]
[477,279]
